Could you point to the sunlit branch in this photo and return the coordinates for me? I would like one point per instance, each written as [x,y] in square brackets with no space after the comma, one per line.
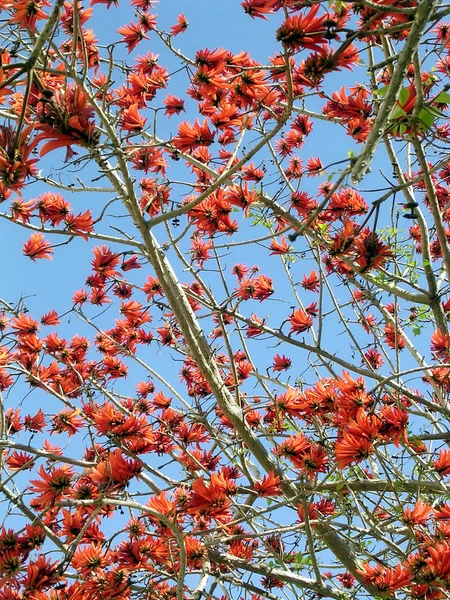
[421,18]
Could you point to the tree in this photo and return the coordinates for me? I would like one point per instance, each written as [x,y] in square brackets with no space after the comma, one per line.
[249,395]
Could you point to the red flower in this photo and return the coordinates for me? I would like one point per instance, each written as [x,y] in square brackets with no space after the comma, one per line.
[417,515]
[442,464]
[22,210]
[193,136]
[263,288]
[210,499]
[242,197]
[105,261]
[281,247]
[386,579]
[259,8]
[53,207]
[173,105]
[37,247]
[27,12]
[35,423]
[314,165]
[294,446]
[89,559]
[131,120]
[303,31]
[374,358]
[438,561]
[67,420]
[181,26]
[370,252]
[393,337]
[347,580]
[281,363]
[269,486]
[20,460]
[253,330]
[132,34]
[251,173]
[80,224]
[311,282]
[41,575]
[67,119]
[50,318]
[440,345]
[79,297]
[200,251]
[300,321]
[52,485]
[351,449]
[115,471]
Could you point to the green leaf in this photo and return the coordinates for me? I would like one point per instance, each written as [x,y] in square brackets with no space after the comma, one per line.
[403,96]
[442,98]
[426,118]
[417,329]
[398,112]
[381,91]
[435,112]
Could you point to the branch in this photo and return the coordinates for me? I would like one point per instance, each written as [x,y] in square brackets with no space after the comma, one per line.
[421,18]
[286,576]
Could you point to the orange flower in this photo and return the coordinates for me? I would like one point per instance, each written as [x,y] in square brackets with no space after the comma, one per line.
[393,337]
[131,120]
[440,345]
[174,106]
[269,486]
[311,282]
[35,423]
[105,261]
[67,119]
[181,26]
[132,34]
[37,247]
[50,318]
[418,515]
[27,12]
[352,449]
[80,224]
[15,164]
[442,464]
[90,559]
[196,552]
[22,210]
[370,252]
[115,471]
[192,136]
[20,460]
[386,579]
[209,499]
[67,420]
[259,8]
[281,363]
[41,575]
[281,247]
[52,485]
[300,321]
